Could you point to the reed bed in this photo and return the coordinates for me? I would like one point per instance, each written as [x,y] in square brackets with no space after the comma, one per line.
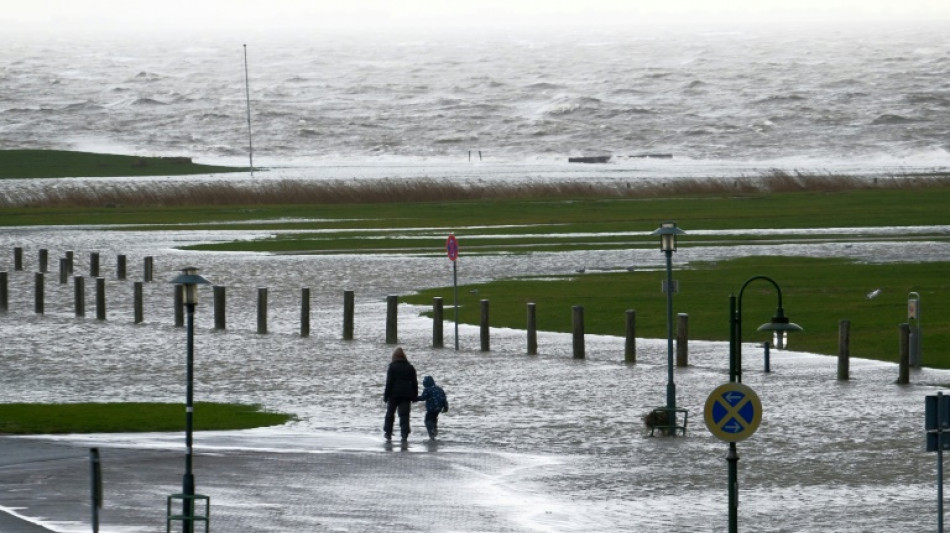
[80,194]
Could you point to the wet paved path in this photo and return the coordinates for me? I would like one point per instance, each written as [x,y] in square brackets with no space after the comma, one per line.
[260,483]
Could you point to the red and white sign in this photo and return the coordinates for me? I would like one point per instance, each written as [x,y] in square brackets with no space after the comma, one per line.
[452,247]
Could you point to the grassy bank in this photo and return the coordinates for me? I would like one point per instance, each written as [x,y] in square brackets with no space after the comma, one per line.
[25,419]
[28,164]
[291,191]
[817,294]
[544,224]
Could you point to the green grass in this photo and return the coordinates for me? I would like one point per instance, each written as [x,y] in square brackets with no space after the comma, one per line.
[26,164]
[817,294]
[27,419]
[486,226]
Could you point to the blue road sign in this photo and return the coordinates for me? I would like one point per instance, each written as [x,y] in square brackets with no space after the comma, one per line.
[733,412]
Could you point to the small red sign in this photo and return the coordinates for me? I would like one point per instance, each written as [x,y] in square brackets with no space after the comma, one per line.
[452,247]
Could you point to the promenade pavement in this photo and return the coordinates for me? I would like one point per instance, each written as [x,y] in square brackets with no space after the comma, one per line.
[258,481]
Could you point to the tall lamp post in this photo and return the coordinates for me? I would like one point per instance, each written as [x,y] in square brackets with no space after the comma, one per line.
[668,232]
[780,326]
[189,280]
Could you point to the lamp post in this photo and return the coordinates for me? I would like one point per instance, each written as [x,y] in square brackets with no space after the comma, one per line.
[189,280]
[668,232]
[780,326]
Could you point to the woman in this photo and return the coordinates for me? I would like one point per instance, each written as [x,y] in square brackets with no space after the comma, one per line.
[402,388]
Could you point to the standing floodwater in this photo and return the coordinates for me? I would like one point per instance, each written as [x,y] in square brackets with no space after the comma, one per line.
[542,442]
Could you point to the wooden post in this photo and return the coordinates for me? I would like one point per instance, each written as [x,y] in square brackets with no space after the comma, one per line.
[137,303]
[18,259]
[304,312]
[4,292]
[63,271]
[391,319]
[120,267]
[43,260]
[577,321]
[630,347]
[179,306]
[349,307]
[100,298]
[532,328]
[682,339]
[70,256]
[262,310]
[94,264]
[438,317]
[220,306]
[844,350]
[903,377]
[39,296]
[79,293]
[484,329]
[147,269]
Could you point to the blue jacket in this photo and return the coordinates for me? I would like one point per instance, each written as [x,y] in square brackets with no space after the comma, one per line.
[433,395]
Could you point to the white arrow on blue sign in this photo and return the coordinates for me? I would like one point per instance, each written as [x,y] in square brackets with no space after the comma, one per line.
[733,412]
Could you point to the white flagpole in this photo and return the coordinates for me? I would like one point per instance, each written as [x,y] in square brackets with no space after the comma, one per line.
[247,95]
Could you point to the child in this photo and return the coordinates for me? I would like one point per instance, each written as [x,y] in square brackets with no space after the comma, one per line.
[436,403]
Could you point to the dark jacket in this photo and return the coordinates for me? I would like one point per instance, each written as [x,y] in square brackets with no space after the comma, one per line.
[433,395]
[401,382]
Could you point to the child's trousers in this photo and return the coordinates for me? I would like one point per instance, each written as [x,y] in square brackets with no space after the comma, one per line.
[432,423]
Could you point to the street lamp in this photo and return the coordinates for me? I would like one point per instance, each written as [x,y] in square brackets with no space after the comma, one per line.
[668,232]
[189,280]
[780,326]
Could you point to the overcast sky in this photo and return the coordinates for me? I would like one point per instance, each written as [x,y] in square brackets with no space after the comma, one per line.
[146,15]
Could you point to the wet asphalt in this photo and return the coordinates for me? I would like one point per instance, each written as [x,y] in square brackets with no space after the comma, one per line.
[255,481]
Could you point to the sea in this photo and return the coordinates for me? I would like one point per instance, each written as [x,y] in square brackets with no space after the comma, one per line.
[866,98]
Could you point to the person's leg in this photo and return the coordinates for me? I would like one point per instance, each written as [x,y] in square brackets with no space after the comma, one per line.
[431,417]
[435,423]
[404,408]
[390,418]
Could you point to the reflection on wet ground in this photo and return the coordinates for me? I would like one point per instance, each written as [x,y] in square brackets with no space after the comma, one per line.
[541,443]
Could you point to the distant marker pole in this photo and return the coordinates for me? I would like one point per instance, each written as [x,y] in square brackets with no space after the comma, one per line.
[247,98]
[452,248]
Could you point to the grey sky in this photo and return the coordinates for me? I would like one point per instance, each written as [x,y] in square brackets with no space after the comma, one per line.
[146,15]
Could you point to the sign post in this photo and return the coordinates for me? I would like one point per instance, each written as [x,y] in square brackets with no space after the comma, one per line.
[913,320]
[452,248]
[733,412]
[95,478]
[937,427]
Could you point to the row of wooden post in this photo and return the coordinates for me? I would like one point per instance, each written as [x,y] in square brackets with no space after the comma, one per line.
[220,306]
[579,349]
[39,300]
[578,335]
[844,352]
[67,261]
[66,268]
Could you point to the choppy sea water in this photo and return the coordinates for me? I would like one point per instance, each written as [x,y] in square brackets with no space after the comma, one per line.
[807,97]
